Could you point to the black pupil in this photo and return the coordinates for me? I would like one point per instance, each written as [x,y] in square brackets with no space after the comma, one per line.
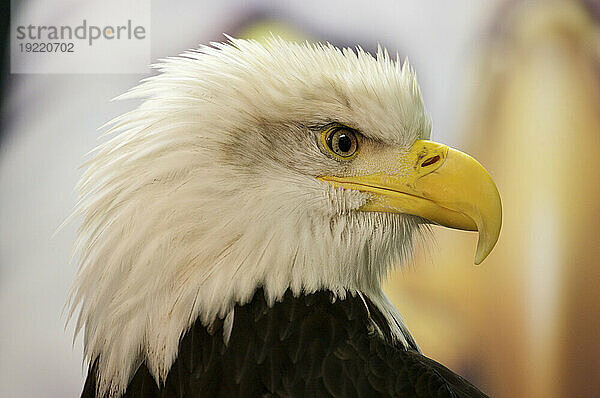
[344,143]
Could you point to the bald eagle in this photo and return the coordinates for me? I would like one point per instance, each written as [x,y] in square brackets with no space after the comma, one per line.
[236,229]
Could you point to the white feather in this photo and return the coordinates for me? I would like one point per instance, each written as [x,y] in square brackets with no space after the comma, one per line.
[208,191]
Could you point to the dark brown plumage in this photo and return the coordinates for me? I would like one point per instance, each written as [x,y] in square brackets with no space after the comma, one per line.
[306,346]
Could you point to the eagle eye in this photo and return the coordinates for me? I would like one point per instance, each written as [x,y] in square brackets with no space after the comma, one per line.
[340,141]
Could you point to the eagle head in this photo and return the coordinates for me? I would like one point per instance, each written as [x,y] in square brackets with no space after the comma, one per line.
[247,165]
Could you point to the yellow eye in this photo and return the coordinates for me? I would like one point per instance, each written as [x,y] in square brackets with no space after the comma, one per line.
[340,141]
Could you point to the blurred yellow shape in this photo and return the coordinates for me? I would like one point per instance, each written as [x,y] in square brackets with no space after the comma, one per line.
[261,29]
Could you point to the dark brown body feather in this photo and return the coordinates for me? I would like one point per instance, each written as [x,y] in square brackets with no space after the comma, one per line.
[301,347]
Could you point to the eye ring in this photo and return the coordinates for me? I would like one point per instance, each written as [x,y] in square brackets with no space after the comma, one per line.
[341,141]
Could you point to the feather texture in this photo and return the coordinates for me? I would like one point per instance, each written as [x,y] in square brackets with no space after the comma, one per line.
[301,347]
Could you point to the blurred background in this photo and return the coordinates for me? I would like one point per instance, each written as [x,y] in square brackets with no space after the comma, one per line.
[514,83]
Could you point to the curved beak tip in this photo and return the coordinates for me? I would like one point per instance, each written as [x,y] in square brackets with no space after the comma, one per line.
[489,234]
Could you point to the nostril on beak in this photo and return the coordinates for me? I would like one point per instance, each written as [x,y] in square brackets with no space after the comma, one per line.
[431,160]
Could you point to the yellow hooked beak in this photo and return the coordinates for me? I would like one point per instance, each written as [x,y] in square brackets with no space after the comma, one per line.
[438,183]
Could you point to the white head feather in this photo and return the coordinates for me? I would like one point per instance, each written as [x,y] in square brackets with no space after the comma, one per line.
[210,191]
